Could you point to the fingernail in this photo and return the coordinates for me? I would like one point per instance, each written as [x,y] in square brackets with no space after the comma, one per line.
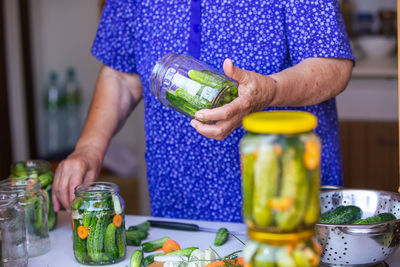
[199,116]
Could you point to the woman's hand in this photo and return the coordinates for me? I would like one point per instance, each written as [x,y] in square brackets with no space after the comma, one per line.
[255,93]
[82,165]
[310,82]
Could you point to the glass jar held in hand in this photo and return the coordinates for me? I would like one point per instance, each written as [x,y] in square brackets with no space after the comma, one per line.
[188,85]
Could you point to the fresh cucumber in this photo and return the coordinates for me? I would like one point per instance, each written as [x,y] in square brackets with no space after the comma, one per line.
[186,252]
[342,215]
[45,179]
[110,247]
[144,226]
[136,258]
[121,242]
[153,245]
[294,185]
[221,237]
[313,210]
[379,218]
[206,78]
[95,240]
[79,244]
[266,175]
[195,101]
[135,237]
[248,184]
[180,103]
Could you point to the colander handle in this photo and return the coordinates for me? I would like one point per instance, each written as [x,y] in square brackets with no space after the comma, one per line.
[366,231]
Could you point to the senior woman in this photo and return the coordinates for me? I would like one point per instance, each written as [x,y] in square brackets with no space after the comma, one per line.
[284,54]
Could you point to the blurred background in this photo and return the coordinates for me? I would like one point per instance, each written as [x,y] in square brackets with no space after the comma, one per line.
[47,76]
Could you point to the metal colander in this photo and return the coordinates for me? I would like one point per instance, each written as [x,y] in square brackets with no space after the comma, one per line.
[359,245]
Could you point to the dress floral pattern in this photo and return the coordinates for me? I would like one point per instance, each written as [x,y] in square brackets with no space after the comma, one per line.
[189,175]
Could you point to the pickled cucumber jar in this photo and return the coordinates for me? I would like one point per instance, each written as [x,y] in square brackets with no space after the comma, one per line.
[13,252]
[31,198]
[280,160]
[40,169]
[257,254]
[188,85]
[98,224]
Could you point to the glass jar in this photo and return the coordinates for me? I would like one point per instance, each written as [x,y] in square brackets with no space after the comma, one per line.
[32,199]
[257,254]
[98,224]
[13,252]
[42,170]
[280,160]
[188,85]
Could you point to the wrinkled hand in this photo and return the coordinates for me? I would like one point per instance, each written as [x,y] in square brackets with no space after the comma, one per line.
[256,91]
[82,165]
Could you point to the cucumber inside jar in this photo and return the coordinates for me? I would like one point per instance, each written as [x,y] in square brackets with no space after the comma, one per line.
[99,230]
[202,90]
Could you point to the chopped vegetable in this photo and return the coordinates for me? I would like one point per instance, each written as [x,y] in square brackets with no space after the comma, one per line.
[117,220]
[150,259]
[238,261]
[183,252]
[82,232]
[170,245]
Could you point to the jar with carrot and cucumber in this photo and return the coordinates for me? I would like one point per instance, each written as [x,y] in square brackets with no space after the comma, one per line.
[280,162]
[188,85]
[98,224]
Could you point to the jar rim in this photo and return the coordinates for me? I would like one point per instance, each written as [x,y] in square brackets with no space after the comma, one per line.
[32,164]
[95,188]
[19,185]
[7,200]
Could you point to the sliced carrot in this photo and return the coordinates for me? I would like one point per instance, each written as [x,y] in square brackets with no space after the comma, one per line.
[312,155]
[232,262]
[170,245]
[280,204]
[73,224]
[82,232]
[117,220]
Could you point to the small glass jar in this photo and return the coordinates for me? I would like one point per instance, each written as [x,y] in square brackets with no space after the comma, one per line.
[257,254]
[98,224]
[13,252]
[32,199]
[188,85]
[280,160]
[40,169]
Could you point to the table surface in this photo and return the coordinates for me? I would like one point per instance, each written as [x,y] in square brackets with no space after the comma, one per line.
[61,253]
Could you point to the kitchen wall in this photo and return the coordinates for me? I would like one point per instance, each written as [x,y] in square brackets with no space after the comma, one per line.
[62,35]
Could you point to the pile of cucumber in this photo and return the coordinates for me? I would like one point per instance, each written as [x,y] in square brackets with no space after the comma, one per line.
[352,215]
[280,191]
[211,85]
[98,230]
[20,169]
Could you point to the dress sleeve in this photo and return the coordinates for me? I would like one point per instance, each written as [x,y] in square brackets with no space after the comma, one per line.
[114,41]
[315,28]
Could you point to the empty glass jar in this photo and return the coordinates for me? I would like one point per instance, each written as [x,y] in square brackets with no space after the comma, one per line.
[38,169]
[188,85]
[13,252]
[98,224]
[31,198]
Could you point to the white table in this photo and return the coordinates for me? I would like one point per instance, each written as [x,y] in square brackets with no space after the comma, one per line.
[61,254]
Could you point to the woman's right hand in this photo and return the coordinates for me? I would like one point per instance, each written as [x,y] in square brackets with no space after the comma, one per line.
[82,165]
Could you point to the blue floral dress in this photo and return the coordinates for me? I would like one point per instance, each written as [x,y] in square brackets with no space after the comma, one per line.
[189,175]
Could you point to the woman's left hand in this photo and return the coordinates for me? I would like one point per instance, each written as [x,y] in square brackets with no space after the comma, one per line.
[256,91]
